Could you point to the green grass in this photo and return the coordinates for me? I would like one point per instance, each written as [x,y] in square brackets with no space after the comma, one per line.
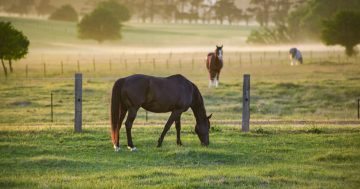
[271,157]
[36,153]
[278,91]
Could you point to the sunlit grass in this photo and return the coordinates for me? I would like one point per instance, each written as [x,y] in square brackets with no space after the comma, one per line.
[269,156]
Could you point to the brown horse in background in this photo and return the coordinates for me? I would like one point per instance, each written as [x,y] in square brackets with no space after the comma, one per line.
[174,94]
[214,64]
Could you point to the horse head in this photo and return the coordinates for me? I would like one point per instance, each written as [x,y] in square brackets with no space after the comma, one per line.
[219,52]
[202,130]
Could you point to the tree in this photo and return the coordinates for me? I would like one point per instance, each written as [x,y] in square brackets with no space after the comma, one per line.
[44,7]
[100,25]
[13,45]
[119,11]
[65,13]
[168,11]
[195,7]
[261,9]
[343,29]
[307,19]
[20,6]
[222,8]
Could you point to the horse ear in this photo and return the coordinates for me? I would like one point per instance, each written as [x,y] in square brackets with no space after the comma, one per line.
[209,116]
[222,46]
[217,46]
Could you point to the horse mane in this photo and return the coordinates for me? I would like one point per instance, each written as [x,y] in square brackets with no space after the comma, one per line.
[197,104]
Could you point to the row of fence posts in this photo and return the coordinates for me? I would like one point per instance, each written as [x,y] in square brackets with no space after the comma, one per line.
[78,104]
[245,125]
[110,66]
[125,62]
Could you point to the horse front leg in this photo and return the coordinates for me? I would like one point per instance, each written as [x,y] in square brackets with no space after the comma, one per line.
[212,78]
[178,130]
[128,123]
[175,115]
[217,79]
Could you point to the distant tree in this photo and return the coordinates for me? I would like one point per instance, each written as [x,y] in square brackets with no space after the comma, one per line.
[13,45]
[195,7]
[280,12]
[222,8]
[306,19]
[261,9]
[99,25]
[5,3]
[119,11]
[20,6]
[247,16]
[44,7]
[65,13]
[168,11]
[343,29]
[181,13]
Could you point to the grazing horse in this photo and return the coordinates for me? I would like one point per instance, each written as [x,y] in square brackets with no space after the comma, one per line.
[173,94]
[214,63]
[295,56]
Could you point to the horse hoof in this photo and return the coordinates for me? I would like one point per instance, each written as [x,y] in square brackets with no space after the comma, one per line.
[116,148]
[132,149]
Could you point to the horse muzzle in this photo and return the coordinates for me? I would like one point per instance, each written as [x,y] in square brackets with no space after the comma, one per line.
[206,144]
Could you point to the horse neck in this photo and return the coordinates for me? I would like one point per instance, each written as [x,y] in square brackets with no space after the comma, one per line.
[197,106]
[217,59]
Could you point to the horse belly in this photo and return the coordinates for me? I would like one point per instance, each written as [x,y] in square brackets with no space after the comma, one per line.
[158,107]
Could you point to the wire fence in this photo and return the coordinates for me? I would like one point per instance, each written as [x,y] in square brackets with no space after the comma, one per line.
[47,65]
[27,100]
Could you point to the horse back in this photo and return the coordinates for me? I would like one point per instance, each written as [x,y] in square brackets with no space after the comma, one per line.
[157,94]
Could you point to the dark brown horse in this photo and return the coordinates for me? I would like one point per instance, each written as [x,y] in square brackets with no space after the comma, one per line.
[214,64]
[173,94]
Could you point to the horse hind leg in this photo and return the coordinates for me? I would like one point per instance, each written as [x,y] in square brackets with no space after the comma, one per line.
[178,130]
[128,123]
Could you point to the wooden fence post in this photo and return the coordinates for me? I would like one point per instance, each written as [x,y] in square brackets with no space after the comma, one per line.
[358,108]
[192,64]
[44,69]
[26,71]
[94,68]
[110,65]
[125,62]
[78,102]
[154,63]
[52,112]
[146,115]
[240,59]
[246,104]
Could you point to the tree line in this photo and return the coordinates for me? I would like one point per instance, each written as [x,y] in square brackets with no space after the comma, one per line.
[175,11]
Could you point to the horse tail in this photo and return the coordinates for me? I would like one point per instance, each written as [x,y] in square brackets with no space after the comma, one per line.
[116,111]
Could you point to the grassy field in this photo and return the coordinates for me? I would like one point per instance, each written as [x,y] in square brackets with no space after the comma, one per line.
[315,91]
[38,153]
[268,157]
[56,34]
